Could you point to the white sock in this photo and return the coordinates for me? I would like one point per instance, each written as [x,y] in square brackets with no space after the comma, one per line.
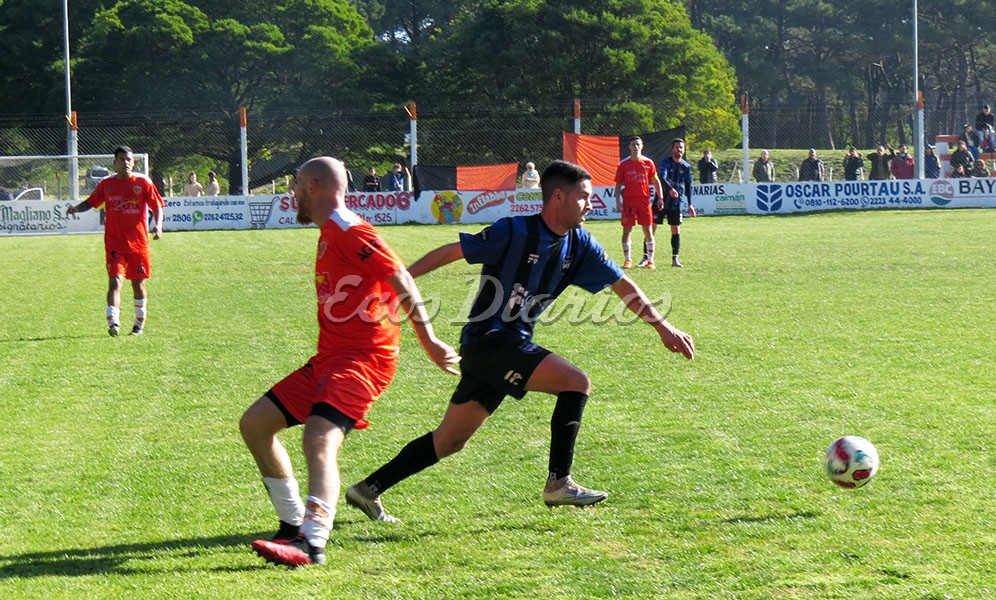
[286,498]
[318,518]
[650,250]
[113,314]
[140,311]
[626,251]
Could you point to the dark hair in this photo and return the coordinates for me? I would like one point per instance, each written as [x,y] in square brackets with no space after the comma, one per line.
[560,174]
[676,140]
[633,139]
[121,150]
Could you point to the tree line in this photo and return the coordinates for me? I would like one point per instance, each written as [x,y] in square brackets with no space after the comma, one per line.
[838,72]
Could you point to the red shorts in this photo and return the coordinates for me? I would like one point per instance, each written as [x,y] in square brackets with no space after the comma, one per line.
[637,211]
[349,382]
[132,265]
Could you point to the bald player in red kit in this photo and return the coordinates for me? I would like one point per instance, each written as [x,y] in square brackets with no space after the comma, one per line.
[360,283]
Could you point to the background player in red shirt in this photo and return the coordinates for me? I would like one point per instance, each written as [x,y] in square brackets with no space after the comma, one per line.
[360,282]
[633,178]
[125,198]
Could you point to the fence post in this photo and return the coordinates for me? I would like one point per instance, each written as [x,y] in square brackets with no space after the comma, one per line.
[74,160]
[244,143]
[412,111]
[745,132]
[577,116]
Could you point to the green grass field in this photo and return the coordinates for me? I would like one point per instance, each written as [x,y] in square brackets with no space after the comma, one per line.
[124,476]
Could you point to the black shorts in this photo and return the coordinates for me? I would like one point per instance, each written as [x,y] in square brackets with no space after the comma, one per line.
[670,216]
[496,365]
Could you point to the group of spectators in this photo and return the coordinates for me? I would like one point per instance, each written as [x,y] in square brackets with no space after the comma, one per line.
[194,187]
[395,180]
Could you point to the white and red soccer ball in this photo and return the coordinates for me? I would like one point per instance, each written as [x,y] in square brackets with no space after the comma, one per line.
[851,461]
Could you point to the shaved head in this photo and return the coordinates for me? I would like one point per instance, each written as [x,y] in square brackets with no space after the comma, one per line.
[320,188]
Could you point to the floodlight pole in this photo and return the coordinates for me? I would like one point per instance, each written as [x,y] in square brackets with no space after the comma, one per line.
[71,141]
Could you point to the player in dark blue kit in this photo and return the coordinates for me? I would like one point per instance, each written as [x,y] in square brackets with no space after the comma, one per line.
[676,174]
[527,262]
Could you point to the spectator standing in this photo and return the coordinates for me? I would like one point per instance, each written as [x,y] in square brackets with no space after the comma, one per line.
[902,164]
[971,139]
[811,169]
[881,163]
[980,169]
[676,175]
[931,166]
[193,188]
[764,169]
[854,165]
[396,178]
[126,198]
[962,158]
[708,168]
[985,127]
[634,175]
[371,183]
[530,177]
[356,359]
[213,188]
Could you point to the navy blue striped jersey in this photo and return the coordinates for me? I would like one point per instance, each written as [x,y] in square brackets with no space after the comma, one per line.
[679,175]
[525,267]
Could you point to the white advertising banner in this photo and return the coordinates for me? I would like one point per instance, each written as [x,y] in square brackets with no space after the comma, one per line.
[279,211]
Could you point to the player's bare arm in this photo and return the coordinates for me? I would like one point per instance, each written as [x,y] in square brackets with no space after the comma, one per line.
[439,257]
[157,232]
[618,196]
[439,352]
[81,207]
[636,301]
[660,185]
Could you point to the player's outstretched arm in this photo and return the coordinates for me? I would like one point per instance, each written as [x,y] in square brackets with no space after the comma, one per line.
[635,300]
[439,351]
[439,257]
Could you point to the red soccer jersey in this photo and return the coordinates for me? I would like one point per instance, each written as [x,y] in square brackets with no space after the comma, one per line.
[636,176]
[125,202]
[357,307]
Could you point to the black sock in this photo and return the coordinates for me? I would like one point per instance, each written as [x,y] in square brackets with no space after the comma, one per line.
[286,531]
[675,245]
[417,455]
[646,250]
[564,426]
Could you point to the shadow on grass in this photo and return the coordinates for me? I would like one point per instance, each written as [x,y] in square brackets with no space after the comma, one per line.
[132,559]
[114,559]
[53,338]
[806,514]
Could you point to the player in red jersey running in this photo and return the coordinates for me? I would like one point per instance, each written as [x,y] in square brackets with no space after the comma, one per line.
[126,197]
[633,178]
[360,283]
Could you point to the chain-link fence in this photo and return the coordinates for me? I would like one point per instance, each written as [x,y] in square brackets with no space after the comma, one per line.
[179,143]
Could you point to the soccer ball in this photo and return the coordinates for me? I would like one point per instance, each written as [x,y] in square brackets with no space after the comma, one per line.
[851,461]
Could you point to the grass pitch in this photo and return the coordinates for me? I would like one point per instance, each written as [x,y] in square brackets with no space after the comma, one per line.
[124,475]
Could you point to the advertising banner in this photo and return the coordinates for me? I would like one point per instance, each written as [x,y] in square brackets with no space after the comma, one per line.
[279,211]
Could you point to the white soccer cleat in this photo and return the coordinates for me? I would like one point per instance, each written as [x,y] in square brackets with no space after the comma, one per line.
[566,492]
[360,496]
